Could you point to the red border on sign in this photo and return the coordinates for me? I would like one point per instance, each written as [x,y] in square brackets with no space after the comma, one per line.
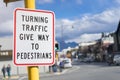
[53,41]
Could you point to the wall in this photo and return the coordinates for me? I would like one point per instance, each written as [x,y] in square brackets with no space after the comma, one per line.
[16,70]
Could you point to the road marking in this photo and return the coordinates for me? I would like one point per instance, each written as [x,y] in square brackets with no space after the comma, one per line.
[24,77]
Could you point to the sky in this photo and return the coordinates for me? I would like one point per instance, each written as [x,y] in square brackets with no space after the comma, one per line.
[75,20]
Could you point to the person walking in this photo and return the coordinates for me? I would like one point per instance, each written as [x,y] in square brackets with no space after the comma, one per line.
[61,65]
[3,71]
[8,70]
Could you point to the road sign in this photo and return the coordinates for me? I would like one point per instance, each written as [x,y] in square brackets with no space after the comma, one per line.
[33,37]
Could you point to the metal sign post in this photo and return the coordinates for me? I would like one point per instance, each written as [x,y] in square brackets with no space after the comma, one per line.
[33,71]
[33,38]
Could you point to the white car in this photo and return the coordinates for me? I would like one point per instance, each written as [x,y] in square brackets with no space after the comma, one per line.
[116,59]
[67,63]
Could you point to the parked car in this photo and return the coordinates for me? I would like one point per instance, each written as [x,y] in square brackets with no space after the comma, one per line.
[116,59]
[113,58]
[67,63]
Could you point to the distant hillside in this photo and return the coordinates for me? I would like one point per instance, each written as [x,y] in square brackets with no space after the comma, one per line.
[64,45]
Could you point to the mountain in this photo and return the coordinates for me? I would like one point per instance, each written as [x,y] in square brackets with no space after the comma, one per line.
[64,45]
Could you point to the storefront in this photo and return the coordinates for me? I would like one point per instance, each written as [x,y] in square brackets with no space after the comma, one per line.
[5,55]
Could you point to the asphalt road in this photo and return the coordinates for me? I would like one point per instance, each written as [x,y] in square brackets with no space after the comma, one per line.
[86,71]
[92,71]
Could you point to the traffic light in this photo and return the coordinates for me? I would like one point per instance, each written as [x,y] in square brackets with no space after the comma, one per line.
[57,48]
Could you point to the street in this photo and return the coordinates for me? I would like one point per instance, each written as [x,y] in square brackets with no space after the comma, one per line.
[87,71]
[90,72]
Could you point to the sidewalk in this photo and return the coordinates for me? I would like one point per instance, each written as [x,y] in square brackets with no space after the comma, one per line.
[13,77]
[24,76]
[67,70]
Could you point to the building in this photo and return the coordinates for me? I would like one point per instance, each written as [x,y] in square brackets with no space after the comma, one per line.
[6,54]
[116,36]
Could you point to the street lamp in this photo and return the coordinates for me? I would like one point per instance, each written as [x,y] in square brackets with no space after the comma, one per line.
[62,33]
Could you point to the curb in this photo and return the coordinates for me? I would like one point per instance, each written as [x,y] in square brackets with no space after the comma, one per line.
[12,77]
[19,77]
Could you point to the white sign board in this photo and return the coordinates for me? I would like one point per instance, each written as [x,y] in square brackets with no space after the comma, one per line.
[33,37]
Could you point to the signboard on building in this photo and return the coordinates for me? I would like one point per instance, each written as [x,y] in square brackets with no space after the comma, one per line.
[33,37]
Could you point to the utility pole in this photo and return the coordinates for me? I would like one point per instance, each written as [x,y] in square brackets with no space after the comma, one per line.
[62,34]
[33,71]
